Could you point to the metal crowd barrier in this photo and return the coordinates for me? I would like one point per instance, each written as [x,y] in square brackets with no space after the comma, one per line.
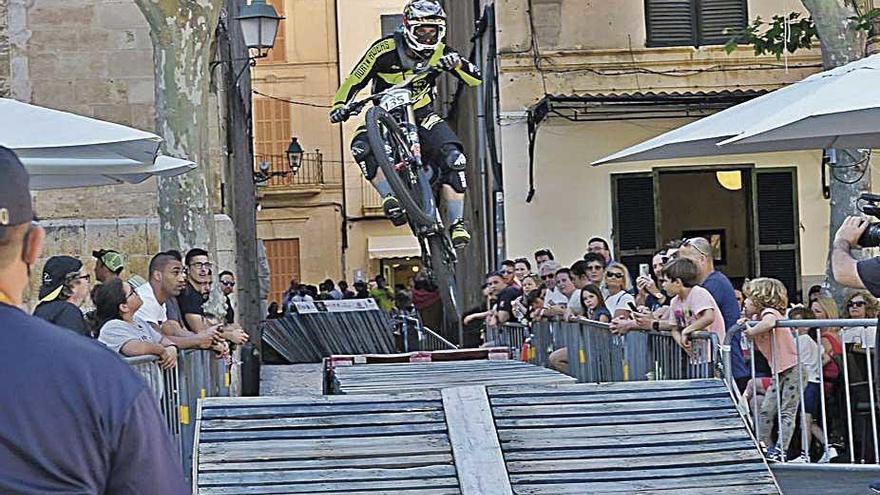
[595,354]
[416,337]
[198,374]
[847,415]
[510,335]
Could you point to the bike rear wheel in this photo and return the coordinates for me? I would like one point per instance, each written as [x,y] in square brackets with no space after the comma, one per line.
[416,199]
[442,257]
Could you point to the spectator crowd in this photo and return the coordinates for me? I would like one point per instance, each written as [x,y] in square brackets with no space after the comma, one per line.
[174,308]
[777,370]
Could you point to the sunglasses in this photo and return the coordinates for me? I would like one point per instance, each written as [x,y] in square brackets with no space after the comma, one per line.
[856,304]
[228,284]
[614,275]
[690,243]
[548,277]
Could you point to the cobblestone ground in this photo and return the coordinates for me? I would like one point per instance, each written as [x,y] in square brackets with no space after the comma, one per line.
[291,380]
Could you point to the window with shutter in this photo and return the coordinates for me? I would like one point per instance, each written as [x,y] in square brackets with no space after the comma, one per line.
[635,235]
[278,53]
[720,19]
[271,127]
[777,239]
[693,22]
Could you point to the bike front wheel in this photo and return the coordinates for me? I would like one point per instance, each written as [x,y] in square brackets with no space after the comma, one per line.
[417,198]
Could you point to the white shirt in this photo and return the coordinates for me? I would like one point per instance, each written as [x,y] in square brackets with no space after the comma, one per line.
[116,333]
[620,300]
[151,311]
[864,336]
[574,303]
[555,297]
[808,353]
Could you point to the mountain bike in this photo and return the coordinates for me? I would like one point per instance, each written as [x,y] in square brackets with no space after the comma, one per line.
[392,128]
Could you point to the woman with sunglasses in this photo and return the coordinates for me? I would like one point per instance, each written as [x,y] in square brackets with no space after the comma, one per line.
[860,305]
[618,284]
[116,302]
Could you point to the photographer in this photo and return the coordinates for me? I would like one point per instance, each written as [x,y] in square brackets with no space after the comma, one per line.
[849,272]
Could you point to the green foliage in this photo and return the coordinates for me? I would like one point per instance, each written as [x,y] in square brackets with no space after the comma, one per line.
[771,37]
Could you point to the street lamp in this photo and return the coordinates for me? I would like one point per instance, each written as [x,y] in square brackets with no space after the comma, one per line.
[259,25]
[294,155]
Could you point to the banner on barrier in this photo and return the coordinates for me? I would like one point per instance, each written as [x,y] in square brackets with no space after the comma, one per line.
[336,306]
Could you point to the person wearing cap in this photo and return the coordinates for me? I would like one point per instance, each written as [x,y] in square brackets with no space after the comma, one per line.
[108,264]
[64,290]
[75,417]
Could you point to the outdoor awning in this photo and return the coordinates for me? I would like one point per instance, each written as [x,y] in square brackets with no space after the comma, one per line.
[393,246]
[64,150]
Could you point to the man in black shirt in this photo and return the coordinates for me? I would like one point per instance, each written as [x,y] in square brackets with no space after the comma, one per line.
[191,300]
[64,289]
[505,295]
[75,417]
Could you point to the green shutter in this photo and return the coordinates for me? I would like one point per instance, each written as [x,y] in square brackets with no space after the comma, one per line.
[670,23]
[776,221]
[716,16]
[634,231]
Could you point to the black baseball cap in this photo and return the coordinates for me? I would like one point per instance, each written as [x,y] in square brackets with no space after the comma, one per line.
[55,273]
[15,194]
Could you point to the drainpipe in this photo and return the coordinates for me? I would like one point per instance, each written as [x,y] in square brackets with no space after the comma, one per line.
[341,148]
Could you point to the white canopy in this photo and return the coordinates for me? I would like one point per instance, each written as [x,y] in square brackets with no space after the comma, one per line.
[62,149]
[838,108]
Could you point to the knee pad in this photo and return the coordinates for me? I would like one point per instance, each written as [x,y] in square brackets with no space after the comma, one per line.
[360,150]
[456,180]
[454,158]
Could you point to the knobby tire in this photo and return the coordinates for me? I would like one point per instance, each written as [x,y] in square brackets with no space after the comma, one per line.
[377,119]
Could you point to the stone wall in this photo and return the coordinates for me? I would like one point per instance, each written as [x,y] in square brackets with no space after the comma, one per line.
[136,238]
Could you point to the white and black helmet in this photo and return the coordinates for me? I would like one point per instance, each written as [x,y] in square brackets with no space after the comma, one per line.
[418,13]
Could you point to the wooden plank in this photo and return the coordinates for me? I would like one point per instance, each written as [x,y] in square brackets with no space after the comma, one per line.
[708,484]
[244,402]
[610,408]
[706,459]
[403,475]
[400,432]
[648,478]
[314,488]
[624,454]
[584,397]
[638,387]
[390,461]
[323,448]
[320,409]
[475,446]
[651,417]
[648,430]
[559,440]
[323,421]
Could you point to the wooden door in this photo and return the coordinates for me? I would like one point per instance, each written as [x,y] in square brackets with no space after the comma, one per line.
[283,256]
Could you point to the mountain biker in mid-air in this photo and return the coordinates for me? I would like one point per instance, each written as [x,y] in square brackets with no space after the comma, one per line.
[390,61]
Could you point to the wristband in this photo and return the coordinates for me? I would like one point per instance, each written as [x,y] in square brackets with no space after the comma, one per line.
[655,325]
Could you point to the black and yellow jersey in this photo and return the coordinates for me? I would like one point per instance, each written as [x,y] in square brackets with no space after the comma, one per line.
[386,63]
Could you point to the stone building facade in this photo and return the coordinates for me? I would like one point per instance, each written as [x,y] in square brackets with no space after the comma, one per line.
[95,58]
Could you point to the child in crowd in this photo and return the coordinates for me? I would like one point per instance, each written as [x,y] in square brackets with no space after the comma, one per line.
[766,299]
[692,308]
[594,304]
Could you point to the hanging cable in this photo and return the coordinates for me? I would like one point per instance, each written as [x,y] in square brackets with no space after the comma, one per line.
[292,102]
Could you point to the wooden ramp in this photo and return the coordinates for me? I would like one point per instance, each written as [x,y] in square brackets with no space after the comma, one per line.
[681,437]
[415,377]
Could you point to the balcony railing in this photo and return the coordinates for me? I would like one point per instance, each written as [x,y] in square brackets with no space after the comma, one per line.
[310,173]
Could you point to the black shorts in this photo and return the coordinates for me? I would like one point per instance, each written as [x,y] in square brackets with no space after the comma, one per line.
[434,133]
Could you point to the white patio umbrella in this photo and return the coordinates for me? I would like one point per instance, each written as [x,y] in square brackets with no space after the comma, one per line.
[837,108]
[62,149]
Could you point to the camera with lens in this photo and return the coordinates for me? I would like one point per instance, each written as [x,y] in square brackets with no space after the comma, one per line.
[869,204]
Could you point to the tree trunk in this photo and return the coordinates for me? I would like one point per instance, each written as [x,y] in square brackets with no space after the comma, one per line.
[840,44]
[182,32]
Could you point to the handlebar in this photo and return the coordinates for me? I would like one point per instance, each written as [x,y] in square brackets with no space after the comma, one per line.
[355,107]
